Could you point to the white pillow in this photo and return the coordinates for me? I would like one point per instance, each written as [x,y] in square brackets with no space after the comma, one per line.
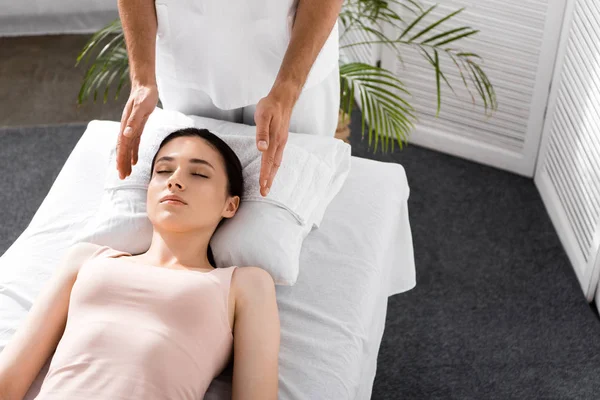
[263,234]
[121,221]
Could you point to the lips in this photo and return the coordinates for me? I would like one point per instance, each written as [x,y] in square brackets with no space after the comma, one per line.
[172,198]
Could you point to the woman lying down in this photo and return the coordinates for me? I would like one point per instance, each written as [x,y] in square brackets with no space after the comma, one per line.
[162,324]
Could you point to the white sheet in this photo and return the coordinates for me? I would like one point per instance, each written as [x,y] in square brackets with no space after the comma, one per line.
[42,17]
[331,320]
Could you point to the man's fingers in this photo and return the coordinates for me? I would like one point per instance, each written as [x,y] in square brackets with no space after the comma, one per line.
[124,119]
[123,156]
[135,146]
[123,149]
[264,125]
[135,124]
[263,122]
[128,142]
[125,116]
[267,161]
[275,167]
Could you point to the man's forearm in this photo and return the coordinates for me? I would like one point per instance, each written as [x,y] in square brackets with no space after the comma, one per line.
[138,18]
[314,21]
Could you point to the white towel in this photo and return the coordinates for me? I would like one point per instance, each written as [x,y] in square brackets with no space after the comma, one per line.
[304,179]
[312,171]
[159,125]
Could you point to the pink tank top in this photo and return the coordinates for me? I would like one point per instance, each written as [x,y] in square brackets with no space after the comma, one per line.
[139,331]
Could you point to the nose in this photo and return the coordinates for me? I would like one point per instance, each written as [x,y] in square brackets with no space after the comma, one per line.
[175,182]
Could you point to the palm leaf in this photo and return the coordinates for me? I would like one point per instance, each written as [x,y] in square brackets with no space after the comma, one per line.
[385,113]
[416,21]
[455,38]
[468,55]
[444,34]
[462,76]
[110,60]
[432,40]
[435,25]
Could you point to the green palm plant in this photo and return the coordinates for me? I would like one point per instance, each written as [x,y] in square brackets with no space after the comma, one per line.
[387,115]
[110,62]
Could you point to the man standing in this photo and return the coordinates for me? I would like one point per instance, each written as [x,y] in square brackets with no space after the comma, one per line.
[273,63]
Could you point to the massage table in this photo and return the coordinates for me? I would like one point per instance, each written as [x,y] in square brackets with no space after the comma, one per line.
[332,319]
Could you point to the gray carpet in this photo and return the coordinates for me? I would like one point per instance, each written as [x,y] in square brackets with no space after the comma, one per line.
[497,312]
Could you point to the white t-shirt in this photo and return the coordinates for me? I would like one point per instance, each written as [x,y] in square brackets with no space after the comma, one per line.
[230,49]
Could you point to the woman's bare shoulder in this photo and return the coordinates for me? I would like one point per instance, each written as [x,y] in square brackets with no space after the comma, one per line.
[252,283]
[77,254]
[82,250]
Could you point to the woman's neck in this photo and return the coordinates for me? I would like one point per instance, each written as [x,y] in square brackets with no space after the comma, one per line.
[179,249]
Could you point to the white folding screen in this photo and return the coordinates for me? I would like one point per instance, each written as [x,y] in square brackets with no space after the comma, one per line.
[518,41]
[568,172]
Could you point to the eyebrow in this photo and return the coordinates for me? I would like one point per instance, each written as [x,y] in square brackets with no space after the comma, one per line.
[192,160]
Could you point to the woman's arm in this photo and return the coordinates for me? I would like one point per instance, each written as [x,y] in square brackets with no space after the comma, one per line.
[36,339]
[256,336]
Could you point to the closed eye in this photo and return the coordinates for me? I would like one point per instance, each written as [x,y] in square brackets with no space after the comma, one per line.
[166,172]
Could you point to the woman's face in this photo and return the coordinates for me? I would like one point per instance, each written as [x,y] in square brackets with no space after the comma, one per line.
[193,171]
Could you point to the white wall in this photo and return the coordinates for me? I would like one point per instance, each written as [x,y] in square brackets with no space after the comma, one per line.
[42,17]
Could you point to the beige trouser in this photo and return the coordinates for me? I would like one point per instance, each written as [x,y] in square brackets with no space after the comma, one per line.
[315,112]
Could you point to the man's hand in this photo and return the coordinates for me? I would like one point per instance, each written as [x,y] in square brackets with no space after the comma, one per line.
[272,118]
[142,102]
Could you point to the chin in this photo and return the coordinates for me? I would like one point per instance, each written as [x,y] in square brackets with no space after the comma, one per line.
[171,222]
